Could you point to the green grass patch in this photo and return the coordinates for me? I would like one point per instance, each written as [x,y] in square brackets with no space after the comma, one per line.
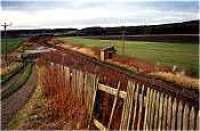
[19,83]
[12,43]
[184,56]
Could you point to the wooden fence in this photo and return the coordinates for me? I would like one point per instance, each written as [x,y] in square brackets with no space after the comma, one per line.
[143,107]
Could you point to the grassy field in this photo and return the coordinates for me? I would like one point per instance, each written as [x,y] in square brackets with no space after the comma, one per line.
[13,43]
[184,56]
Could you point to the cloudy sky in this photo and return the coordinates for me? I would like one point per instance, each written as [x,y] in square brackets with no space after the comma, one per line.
[84,13]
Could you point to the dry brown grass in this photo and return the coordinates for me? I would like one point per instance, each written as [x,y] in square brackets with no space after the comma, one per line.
[181,80]
[62,105]
[6,69]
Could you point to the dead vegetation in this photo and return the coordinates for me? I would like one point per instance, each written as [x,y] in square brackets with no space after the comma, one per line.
[64,109]
[179,79]
[5,70]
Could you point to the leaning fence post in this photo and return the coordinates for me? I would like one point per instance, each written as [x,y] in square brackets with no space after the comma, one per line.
[93,102]
[114,105]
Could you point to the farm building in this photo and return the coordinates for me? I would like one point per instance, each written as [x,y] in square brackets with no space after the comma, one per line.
[107,52]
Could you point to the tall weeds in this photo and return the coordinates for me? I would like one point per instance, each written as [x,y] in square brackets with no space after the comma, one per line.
[61,102]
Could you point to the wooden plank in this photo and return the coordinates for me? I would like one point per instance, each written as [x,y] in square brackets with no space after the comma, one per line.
[169,113]
[114,106]
[123,123]
[67,77]
[73,81]
[146,108]
[164,120]
[141,101]
[149,110]
[91,90]
[135,106]
[197,121]
[153,109]
[160,111]
[132,90]
[91,108]
[81,86]
[155,126]
[99,125]
[127,107]
[112,91]
[174,114]
[186,117]
[180,115]
[192,118]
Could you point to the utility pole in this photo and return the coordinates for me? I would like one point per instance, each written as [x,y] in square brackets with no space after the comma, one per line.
[5,37]
[123,42]
[123,37]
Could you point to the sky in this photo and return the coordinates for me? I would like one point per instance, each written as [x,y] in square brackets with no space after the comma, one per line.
[32,14]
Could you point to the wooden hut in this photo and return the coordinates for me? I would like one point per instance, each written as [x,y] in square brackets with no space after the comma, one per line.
[107,52]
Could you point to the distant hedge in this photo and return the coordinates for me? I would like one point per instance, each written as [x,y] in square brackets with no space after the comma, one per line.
[189,27]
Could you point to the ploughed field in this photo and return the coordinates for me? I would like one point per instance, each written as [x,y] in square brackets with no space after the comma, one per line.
[182,55]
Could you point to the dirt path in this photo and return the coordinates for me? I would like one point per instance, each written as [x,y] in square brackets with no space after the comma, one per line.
[12,104]
[12,80]
[84,50]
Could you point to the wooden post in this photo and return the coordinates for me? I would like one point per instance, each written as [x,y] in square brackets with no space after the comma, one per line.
[186,117]
[127,107]
[153,109]
[149,110]
[156,111]
[169,111]
[141,101]
[197,121]
[191,121]
[180,115]
[160,111]
[114,105]
[132,90]
[92,104]
[174,114]
[146,108]
[164,113]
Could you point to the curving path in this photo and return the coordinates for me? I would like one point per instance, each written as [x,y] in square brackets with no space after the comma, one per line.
[12,80]
[12,104]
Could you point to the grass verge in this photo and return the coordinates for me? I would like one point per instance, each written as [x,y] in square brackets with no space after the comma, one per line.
[23,115]
[6,77]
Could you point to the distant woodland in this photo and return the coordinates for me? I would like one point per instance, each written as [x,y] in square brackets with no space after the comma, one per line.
[190,28]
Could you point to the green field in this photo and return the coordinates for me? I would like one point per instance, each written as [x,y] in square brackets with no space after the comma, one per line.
[184,56]
[13,43]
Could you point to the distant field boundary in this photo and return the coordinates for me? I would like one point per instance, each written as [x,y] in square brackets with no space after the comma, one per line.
[183,38]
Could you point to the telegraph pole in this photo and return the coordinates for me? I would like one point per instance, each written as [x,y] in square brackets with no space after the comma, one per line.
[5,37]
[123,37]
[123,42]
